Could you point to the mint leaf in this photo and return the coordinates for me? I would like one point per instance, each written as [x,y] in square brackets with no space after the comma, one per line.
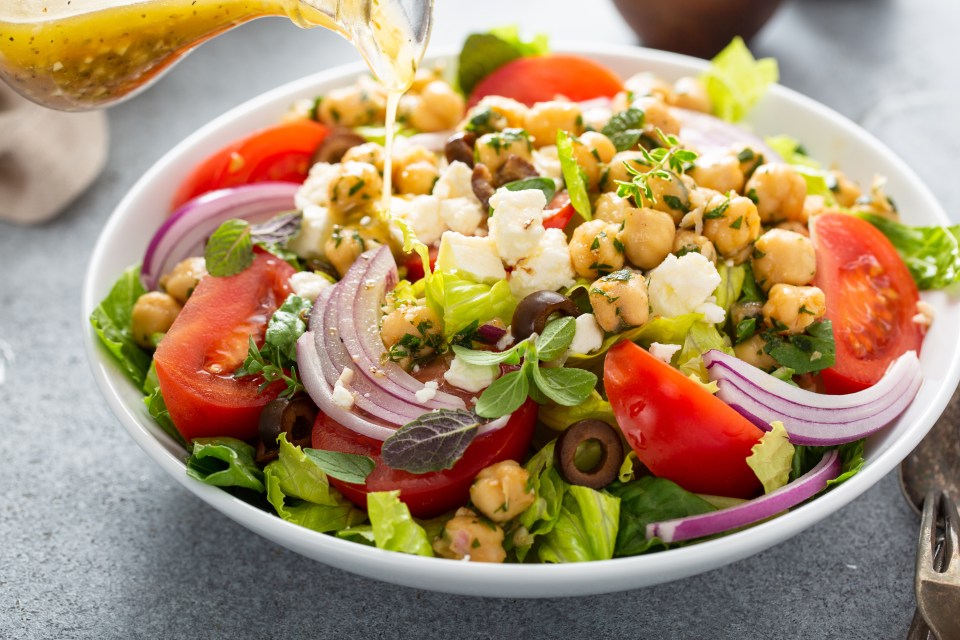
[573,175]
[565,386]
[625,128]
[230,249]
[546,185]
[471,356]
[432,442]
[348,467]
[556,337]
[505,395]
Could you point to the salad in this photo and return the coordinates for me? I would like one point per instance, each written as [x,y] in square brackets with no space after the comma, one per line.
[592,318]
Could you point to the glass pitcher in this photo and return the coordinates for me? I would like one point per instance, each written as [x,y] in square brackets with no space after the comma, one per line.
[84,54]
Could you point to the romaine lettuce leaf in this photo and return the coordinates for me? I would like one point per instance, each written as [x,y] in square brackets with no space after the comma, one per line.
[393,527]
[586,528]
[818,181]
[573,176]
[806,457]
[462,302]
[540,517]
[701,337]
[772,458]
[558,417]
[932,254]
[112,319]
[647,500]
[300,492]
[225,462]
[731,284]
[663,330]
[158,411]
[736,81]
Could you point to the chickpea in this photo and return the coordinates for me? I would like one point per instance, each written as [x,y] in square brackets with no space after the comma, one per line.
[411,333]
[621,101]
[595,249]
[779,192]
[748,157]
[751,351]
[437,108]
[687,241]
[493,149]
[345,245]
[153,313]
[417,178]
[721,173]
[732,224]
[740,311]
[670,195]
[183,279]
[610,207]
[656,115]
[511,113]
[647,237]
[619,300]
[466,536]
[791,309]
[618,169]
[544,119]
[357,184]
[424,77]
[368,152]
[352,106]
[592,152]
[689,93]
[846,191]
[796,227]
[500,491]
[783,257]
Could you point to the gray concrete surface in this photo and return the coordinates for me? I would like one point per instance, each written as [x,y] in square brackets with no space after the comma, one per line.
[96,542]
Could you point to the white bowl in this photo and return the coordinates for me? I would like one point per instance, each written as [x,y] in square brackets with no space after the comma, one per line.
[828,136]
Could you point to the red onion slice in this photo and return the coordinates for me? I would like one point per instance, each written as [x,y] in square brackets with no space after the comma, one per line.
[708,524]
[710,135]
[185,232]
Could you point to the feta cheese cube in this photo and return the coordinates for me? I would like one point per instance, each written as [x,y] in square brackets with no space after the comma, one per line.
[315,228]
[547,268]
[342,396]
[422,213]
[428,393]
[470,377]
[680,285]
[712,312]
[455,182]
[588,336]
[308,285]
[316,188]
[471,255]
[664,352]
[517,222]
[462,215]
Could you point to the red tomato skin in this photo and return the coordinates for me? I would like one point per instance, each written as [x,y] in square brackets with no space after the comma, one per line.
[871,300]
[559,212]
[280,153]
[543,78]
[414,264]
[204,404]
[429,494]
[678,430]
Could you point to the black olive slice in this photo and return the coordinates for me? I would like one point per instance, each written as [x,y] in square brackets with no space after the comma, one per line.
[337,143]
[534,311]
[611,453]
[293,417]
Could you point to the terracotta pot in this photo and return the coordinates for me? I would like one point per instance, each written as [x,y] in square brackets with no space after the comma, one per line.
[695,27]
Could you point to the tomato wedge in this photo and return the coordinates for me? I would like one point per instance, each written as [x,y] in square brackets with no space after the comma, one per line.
[429,494]
[543,78]
[209,341]
[281,153]
[559,212]
[871,300]
[679,430]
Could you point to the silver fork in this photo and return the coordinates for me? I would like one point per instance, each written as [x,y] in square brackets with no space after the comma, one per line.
[937,583]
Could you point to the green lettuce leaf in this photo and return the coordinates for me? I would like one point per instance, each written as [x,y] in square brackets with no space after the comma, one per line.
[701,337]
[736,81]
[731,284]
[225,462]
[932,254]
[300,492]
[393,527]
[158,411]
[573,176]
[361,533]
[462,302]
[818,181]
[539,518]
[484,53]
[772,458]
[806,457]
[112,319]
[586,528]
[558,417]
[663,330]
[647,500]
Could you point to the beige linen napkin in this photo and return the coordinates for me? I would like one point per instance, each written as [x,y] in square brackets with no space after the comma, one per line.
[47,158]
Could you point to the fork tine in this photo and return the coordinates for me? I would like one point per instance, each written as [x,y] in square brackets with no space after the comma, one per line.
[951,537]
[927,542]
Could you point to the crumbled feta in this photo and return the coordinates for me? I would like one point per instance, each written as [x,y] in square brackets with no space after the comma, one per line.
[308,284]
[548,267]
[506,341]
[517,222]
[470,377]
[455,182]
[547,161]
[346,377]
[428,393]
[462,215]
[422,213]
[342,396]
[712,312]
[663,351]
[596,117]
[316,188]
[588,336]
[315,228]
[924,316]
[471,255]
[680,285]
